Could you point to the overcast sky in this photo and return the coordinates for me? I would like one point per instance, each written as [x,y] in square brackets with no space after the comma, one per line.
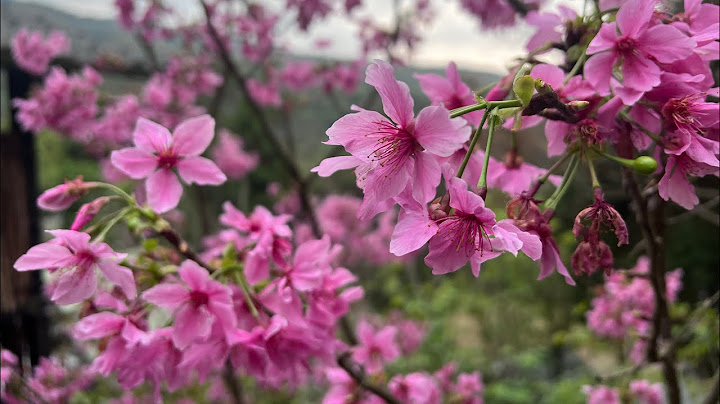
[453,35]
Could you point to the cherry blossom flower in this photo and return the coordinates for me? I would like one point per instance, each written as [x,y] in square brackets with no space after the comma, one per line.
[375,348]
[231,158]
[638,47]
[449,91]
[33,53]
[157,152]
[198,304]
[73,259]
[393,154]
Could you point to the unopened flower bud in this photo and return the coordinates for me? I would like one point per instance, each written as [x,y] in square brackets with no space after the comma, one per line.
[62,196]
[578,105]
[645,165]
[88,211]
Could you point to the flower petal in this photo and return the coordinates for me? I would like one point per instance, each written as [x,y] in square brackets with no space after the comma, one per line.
[151,137]
[119,275]
[74,286]
[194,135]
[330,165]
[166,295]
[163,190]
[438,133]
[134,162]
[395,95]
[42,256]
[191,324]
[200,170]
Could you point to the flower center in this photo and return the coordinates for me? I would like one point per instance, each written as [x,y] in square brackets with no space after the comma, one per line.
[625,45]
[167,159]
[468,233]
[84,258]
[198,298]
[393,146]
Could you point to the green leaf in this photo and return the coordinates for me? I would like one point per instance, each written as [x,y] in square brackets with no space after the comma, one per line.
[524,88]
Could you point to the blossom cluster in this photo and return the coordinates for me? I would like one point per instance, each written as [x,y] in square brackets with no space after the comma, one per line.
[625,306]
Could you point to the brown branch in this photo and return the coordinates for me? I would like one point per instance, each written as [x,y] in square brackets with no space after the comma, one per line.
[647,209]
[231,383]
[183,247]
[357,373]
[264,122]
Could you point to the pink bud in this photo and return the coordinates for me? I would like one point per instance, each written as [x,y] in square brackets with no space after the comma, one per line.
[62,196]
[88,211]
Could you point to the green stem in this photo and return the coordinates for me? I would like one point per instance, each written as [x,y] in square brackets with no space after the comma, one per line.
[240,279]
[576,67]
[482,183]
[118,191]
[552,201]
[593,174]
[467,109]
[474,140]
[554,167]
[101,236]
[620,160]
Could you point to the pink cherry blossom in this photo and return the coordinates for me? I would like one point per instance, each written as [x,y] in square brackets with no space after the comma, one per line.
[647,393]
[73,259]
[231,158]
[449,91]
[197,305]
[674,184]
[638,47]
[601,395]
[33,53]
[157,152]
[418,388]
[375,348]
[66,104]
[393,154]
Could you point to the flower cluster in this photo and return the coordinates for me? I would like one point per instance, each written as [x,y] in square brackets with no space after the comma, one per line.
[626,304]
[33,53]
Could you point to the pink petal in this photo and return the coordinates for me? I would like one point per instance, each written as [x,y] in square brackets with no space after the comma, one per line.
[478,259]
[640,73]
[634,16]
[550,74]
[555,132]
[98,325]
[357,132]
[193,136]
[411,233]
[395,95]
[166,295]
[133,162]
[151,137]
[597,71]
[427,177]
[193,275]
[163,190]
[191,324]
[74,286]
[76,240]
[666,43]
[445,256]
[438,133]
[330,165]
[42,256]
[119,275]
[604,40]
[200,170]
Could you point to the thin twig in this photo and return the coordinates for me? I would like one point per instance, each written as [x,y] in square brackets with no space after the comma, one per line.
[263,120]
[357,373]
[231,382]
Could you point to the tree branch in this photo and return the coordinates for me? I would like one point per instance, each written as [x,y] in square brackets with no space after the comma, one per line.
[258,112]
[357,373]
